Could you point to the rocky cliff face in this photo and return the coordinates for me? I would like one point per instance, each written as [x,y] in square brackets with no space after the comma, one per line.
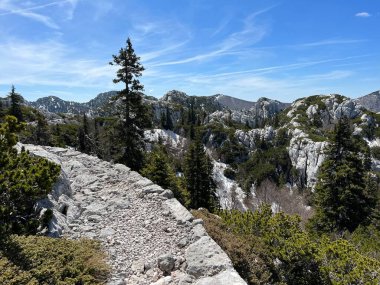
[321,112]
[306,156]
[308,118]
[248,138]
[370,101]
[149,236]
[254,117]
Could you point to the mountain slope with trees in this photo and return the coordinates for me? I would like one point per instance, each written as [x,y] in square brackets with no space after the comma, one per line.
[308,170]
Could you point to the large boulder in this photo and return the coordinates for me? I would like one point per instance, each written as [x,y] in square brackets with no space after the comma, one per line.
[205,258]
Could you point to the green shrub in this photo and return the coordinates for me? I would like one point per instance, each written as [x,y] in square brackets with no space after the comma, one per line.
[24,180]
[345,265]
[250,257]
[268,248]
[42,260]
[268,162]
[376,152]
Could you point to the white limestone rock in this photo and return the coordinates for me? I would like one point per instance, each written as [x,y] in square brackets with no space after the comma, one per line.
[167,137]
[205,258]
[253,116]
[230,194]
[228,277]
[180,213]
[306,156]
[198,231]
[248,138]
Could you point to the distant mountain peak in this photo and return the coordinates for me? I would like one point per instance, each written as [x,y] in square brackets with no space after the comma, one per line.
[54,104]
[174,96]
[370,101]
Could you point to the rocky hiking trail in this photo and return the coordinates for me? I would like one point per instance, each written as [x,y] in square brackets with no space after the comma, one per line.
[149,236]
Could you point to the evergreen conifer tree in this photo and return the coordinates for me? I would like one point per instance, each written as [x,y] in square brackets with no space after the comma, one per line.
[16,100]
[198,176]
[42,133]
[341,197]
[166,120]
[131,121]
[2,113]
[158,169]
[163,120]
[84,140]
[169,122]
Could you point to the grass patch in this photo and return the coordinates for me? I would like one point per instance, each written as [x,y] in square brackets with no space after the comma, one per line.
[43,260]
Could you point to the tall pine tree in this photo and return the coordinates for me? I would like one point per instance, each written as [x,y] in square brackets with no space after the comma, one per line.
[85,143]
[342,199]
[16,101]
[198,175]
[131,115]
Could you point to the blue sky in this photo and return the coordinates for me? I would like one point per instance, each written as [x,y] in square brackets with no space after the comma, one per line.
[248,49]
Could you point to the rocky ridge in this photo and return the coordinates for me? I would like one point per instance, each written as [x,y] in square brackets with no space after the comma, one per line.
[254,116]
[149,236]
[55,105]
[306,154]
[370,101]
[305,115]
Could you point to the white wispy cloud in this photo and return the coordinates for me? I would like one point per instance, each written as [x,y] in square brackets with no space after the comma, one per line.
[10,8]
[101,8]
[72,4]
[221,26]
[329,42]
[273,69]
[233,44]
[27,10]
[50,63]
[363,14]
[151,55]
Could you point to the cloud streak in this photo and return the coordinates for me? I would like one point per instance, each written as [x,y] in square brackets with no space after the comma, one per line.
[28,11]
[363,14]
[329,42]
[49,63]
[234,44]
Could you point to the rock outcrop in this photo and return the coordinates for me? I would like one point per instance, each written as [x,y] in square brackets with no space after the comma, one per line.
[323,111]
[370,101]
[306,156]
[254,117]
[230,194]
[150,237]
[248,139]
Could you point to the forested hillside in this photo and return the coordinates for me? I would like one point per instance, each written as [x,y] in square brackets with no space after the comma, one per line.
[289,191]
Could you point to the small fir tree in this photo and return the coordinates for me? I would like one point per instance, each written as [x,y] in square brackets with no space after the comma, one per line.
[133,113]
[16,101]
[84,139]
[42,133]
[198,175]
[158,169]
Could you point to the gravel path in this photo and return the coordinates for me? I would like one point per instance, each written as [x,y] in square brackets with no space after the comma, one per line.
[150,238]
